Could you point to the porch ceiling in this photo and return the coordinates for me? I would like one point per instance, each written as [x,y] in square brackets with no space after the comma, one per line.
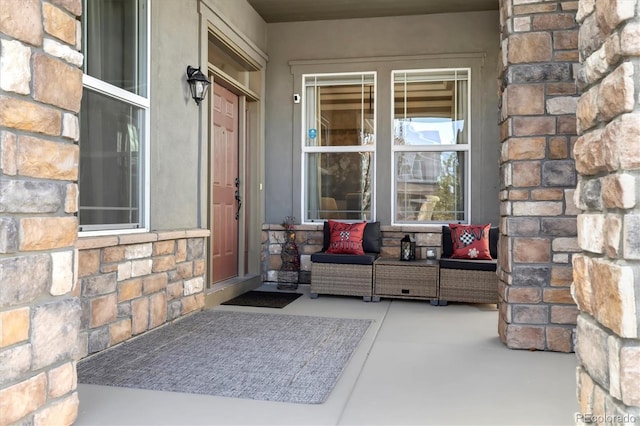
[315,10]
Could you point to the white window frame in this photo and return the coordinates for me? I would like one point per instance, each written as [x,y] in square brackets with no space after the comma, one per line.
[144,103]
[466,148]
[336,149]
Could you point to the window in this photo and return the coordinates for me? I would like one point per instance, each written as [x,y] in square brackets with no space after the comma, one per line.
[338,146]
[431,145]
[114,115]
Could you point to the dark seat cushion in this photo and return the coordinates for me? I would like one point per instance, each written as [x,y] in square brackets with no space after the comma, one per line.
[344,259]
[467,264]
[371,240]
[447,244]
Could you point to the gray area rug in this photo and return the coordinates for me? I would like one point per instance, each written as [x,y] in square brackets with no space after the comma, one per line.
[287,358]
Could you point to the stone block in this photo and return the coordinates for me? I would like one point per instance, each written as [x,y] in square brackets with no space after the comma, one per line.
[524,99]
[23,279]
[537,208]
[129,289]
[540,73]
[530,276]
[590,38]
[55,328]
[565,39]
[44,233]
[140,315]
[8,235]
[526,174]
[113,254]
[589,152]
[524,295]
[558,173]
[8,156]
[65,90]
[181,250]
[559,227]
[559,339]
[523,226]
[61,380]
[616,92]
[590,194]
[62,277]
[15,364]
[99,285]
[138,251]
[192,286]
[17,196]
[200,266]
[25,397]
[141,267]
[63,412]
[619,191]
[124,310]
[137,238]
[592,350]
[15,68]
[630,375]
[533,8]
[612,235]
[518,195]
[554,21]
[611,13]
[158,310]
[175,290]
[29,116]
[192,303]
[566,125]
[174,310]
[123,269]
[622,142]
[59,24]
[119,331]
[521,24]
[557,295]
[591,232]
[561,276]
[530,314]
[561,105]
[631,242]
[103,310]
[529,47]
[22,19]
[195,248]
[630,39]
[183,270]
[163,263]
[14,326]
[583,289]
[561,314]
[587,109]
[99,339]
[614,297]
[73,6]
[560,89]
[154,283]
[534,126]
[525,337]
[161,248]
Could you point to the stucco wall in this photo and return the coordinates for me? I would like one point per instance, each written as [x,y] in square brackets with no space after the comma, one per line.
[424,36]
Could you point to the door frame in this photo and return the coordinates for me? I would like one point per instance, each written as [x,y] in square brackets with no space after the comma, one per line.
[251,127]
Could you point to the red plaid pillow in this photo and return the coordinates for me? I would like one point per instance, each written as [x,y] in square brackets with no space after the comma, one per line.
[345,238]
[470,241]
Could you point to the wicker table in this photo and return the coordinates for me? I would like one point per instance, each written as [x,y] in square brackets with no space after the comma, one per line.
[416,279]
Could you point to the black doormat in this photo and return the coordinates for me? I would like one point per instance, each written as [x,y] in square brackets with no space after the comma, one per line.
[263,299]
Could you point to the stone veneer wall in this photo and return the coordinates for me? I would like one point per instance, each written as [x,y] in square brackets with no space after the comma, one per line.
[133,283]
[309,240]
[606,273]
[40,94]
[539,42]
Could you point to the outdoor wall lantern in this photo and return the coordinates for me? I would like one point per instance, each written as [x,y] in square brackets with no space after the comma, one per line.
[198,83]
[407,248]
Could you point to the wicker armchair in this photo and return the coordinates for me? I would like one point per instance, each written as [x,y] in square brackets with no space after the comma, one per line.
[346,274]
[463,280]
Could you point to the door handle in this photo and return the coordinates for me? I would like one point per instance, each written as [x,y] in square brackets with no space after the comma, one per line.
[238,199]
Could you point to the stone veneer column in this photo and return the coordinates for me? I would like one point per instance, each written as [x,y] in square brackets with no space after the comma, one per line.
[40,93]
[606,273]
[539,42]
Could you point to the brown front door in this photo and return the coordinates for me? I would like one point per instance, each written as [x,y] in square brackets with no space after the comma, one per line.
[224,252]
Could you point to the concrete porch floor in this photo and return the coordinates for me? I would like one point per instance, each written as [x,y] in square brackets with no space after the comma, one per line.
[417,365]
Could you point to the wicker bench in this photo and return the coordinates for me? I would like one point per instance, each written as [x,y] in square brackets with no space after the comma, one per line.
[346,274]
[463,280]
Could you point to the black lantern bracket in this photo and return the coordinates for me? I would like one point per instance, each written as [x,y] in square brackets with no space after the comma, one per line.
[198,84]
